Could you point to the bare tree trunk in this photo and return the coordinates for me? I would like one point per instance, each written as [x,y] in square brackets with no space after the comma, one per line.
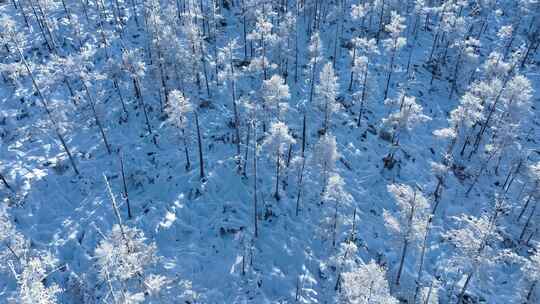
[352,69]
[312,84]
[96,118]
[199,142]
[45,105]
[139,95]
[117,87]
[402,260]
[124,184]
[533,211]
[464,288]
[335,226]
[326,117]
[276,193]
[380,23]
[116,211]
[530,293]
[511,175]
[525,206]
[134,8]
[236,116]
[390,70]
[23,13]
[304,134]
[248,133]
[255,180]
[186,151]
[300,185]
[421,266]
[6,184]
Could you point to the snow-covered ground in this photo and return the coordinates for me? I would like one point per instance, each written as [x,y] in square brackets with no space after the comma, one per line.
[337,232]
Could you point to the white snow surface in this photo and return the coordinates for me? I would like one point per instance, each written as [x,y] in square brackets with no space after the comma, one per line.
[204,229]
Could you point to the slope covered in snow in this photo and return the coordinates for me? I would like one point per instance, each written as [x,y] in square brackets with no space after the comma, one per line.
[253,151]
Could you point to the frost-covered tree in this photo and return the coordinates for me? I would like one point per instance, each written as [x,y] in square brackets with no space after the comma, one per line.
[14,246]
[345,260]
[490,89]
[315,50]
[506,35]
[123,259]
[286,49]
[362,50]
[136,69]
[420,10]
[113,71]
[275,94]
[178,108]
[82,66]
[366,48]
[409,114]
[30,268]
[366,284]
[531,270]
[228,74]
[264,35]
[533,196]
[198,55]
[277,140]
[452,26]
[393,44]
[440,171]
[533,176]
[335,192]
[410,222]
[467,114]
[31,286]
[471,241]
[466,61]
[429,294]
[514,107]
[326,94]
[325,156]
[360,11]
[16,40]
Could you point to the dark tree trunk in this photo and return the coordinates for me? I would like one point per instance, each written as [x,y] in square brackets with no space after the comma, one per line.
[124,184]
[199,143]
[6,184]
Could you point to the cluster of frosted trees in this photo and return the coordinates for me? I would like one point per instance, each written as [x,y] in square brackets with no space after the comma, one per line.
[288,81]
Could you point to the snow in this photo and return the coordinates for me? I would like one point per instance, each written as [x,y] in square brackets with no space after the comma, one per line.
[203,229]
